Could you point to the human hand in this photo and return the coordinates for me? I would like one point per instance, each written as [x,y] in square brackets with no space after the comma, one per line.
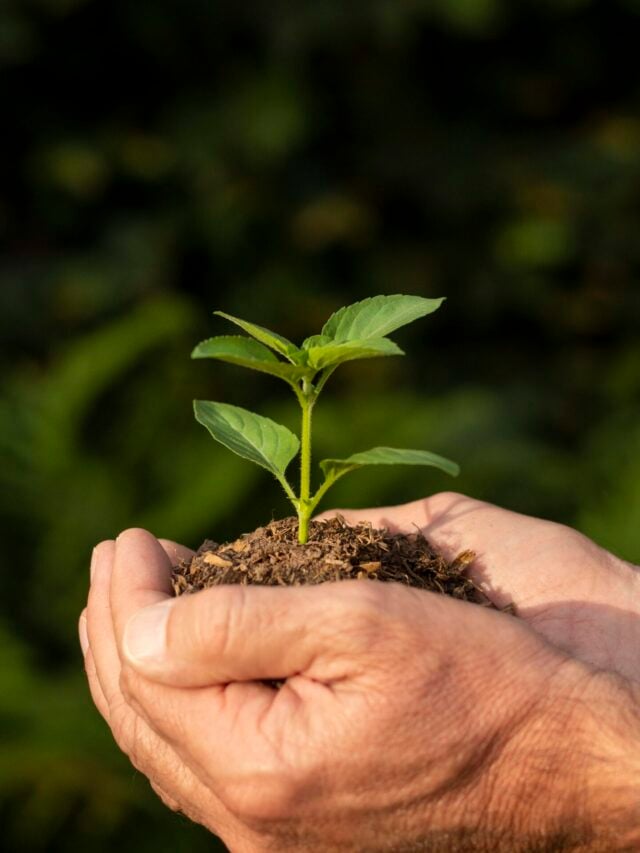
[406,722]
[578,596]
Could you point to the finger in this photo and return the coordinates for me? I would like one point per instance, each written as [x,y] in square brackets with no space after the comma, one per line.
[444,517]
[578,596]
[245,633]
[214,730]
[140,577]
[154,756]
[82,633]
[228,735]
[509,547]
[175,552]
[97,695]
[168,801]
[99,699]
[149,752]
[530,561]
[99,622]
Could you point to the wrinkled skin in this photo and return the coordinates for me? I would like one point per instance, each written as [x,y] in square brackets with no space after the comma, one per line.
[407,720]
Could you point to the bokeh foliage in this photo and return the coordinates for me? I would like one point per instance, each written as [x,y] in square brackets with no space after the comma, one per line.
[162,159]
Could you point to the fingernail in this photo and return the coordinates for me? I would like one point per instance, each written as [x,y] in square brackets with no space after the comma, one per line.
[145,635]
[92,567]
[82,633]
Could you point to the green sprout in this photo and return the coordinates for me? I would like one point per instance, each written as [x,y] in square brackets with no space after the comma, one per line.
[354,332]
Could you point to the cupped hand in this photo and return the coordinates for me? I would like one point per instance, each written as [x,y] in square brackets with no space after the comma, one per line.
[578,596]
[405,721]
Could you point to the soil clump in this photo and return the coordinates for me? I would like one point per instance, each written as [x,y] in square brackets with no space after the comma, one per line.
[272,556]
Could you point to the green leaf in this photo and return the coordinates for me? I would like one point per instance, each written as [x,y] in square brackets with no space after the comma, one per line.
[251,436]
[335,468]
[377,316]
[336,353]
[247,352]
[316,341]
[276,342]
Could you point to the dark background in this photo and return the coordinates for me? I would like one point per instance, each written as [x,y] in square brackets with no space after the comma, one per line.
[161,159]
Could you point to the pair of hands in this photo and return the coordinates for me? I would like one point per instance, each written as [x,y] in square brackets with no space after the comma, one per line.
[407,720]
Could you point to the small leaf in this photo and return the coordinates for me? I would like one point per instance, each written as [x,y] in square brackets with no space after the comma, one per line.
[251,436]
[316,341]
[337,353]
[335,468]
[247,352]
[265,336]
[377,316]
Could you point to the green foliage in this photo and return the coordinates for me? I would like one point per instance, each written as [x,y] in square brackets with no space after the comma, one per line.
[335,468]
[251,436]
[377,316]
[270,339]
[353,332]
[247,353]
[334,353]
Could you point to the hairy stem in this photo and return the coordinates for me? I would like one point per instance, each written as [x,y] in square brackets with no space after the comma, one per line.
[304,506]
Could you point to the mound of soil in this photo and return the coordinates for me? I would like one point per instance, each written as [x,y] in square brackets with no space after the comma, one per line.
[335,551]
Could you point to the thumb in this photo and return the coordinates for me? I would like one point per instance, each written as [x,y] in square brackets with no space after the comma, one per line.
[244,633]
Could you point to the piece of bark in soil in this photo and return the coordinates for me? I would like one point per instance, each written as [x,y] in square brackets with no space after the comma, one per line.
[335,551]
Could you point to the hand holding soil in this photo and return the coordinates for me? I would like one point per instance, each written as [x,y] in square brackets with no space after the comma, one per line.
[405,720]
[575,594]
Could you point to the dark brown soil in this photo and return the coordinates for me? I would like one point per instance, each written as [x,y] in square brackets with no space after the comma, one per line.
[335,551]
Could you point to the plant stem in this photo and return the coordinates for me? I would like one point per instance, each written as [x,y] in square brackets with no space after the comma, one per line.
[304,506]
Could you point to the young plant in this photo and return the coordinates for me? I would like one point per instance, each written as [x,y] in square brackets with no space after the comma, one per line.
[355,331]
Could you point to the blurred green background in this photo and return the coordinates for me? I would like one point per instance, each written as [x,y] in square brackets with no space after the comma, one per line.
[278,159]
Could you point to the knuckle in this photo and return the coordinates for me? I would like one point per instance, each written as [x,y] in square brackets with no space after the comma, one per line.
[265,797]
[575,537]
[359,613]
[168,801]
[378,622]
[120,723]
[570,540]
[90,666]
[154,710]
[446,499]
[135,757]
[132,737]
[362,598]
[128,682]
[207,622]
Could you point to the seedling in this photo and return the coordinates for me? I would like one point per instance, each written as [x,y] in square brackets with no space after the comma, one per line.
[354,332]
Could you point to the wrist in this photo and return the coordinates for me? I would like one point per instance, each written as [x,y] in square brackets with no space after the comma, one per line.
[611,734]
[569,778]
[583,757]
